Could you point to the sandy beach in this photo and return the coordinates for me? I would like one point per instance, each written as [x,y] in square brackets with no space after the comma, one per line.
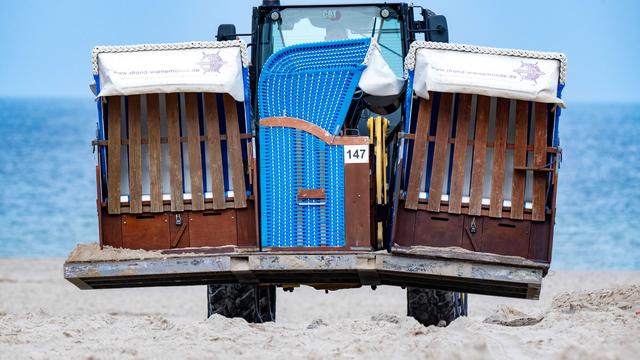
[580,315]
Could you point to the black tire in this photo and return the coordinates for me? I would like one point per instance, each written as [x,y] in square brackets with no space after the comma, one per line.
[255,304]
[430,306]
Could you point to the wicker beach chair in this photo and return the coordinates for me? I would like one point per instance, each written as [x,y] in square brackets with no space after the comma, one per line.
[304,93]
[173,145]
[481,149]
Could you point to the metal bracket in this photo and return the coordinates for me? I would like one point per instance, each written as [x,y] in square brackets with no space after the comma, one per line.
[312,203]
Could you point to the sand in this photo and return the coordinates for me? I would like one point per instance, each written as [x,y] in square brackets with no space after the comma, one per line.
[580,315]
[92,252]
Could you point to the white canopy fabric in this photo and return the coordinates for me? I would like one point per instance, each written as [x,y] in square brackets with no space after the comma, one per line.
[507,73]
[377,78]
[167,68]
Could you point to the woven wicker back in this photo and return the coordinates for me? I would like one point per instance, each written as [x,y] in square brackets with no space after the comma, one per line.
[314,83]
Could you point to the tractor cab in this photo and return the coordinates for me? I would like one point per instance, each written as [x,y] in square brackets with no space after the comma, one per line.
[393,26]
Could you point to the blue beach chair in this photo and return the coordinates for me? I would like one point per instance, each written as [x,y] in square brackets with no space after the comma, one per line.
[304,93]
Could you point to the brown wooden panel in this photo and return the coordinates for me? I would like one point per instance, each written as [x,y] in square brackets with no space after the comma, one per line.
[539,161]
[459,153]
[234,148]
[148,232]
[193,146]
[541,240]
[246,226]
[506,237]
[155,151]
[312,194]
[440,152]
[214,150]
[405,226]
[499,154]
[111,230]
[479,155]
[419,153]
[440,230]
[213,228]
[113,154]
[357,205]
[135,154]
[175,155]
[320,133]
[519,159]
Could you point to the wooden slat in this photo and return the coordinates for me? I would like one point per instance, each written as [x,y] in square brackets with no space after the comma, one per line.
[113,154]
[214,150]
[312,194]
[124,208]
[193,146]
[465,210]
[234,148]
[479,155]
[359,141]
[519,160]
[470,142]
[419,153]
[155,162]
[539,160]
[357,206]
[317,131]
[243,136]
[175,159]
[440,152]
[135,154]
[499,154]
[459,153]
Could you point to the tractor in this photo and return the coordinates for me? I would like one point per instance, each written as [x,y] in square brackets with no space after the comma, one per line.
[335,146]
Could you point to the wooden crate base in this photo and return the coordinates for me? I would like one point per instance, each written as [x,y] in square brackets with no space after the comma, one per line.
[210,228]
[524,238]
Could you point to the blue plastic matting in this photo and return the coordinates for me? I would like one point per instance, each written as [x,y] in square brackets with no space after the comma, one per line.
[293,160]
[313,82]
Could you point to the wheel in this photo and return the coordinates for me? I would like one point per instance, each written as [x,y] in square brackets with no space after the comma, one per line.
[255,304]
[430,306]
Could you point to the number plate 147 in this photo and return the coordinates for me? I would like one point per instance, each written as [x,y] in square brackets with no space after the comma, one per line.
[356,154]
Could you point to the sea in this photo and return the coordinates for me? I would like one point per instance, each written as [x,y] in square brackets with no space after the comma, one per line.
[47,182]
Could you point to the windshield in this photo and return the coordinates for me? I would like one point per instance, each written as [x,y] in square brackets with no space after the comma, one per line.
[303,25]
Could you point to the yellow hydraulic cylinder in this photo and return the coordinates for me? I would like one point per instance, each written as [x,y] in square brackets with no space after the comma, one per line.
[379,162]
[385,126]
[378,127]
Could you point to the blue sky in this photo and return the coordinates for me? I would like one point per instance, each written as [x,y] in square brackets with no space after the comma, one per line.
[45,46]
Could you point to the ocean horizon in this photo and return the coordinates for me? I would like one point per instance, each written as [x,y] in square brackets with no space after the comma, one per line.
[47,181]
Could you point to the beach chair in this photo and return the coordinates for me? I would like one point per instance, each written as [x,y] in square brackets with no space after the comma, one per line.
[480,149]
[175,165]
[314,180]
